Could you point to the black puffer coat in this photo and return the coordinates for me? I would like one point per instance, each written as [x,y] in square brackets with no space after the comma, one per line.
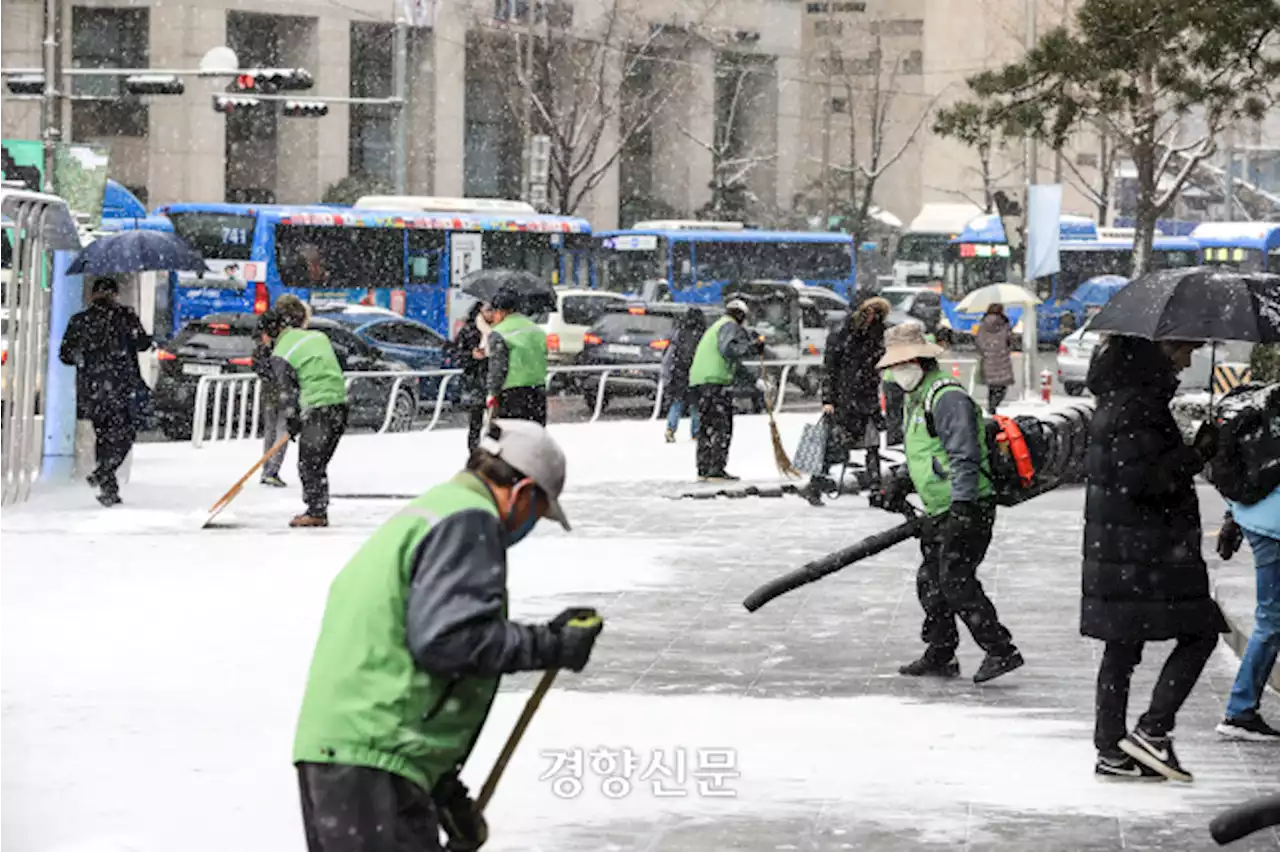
[850,380]
[1144,576]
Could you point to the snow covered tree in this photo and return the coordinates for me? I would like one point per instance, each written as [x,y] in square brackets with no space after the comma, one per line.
[1162,78]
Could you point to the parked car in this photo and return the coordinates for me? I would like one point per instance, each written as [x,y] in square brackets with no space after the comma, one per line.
[1076,351]
[396,338]
[921,305]
[578,311]
[640,337]
[221,344]
[787,316]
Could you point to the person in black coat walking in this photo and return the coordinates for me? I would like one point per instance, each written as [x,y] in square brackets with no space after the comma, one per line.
[469,355]
[1144,577]
[273,426]
[102,342]
[675,371]
[851,390]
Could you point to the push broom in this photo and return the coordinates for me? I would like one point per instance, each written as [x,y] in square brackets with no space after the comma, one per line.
[780,457]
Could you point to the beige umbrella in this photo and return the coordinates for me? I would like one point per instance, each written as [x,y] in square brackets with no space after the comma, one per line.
[1005,294]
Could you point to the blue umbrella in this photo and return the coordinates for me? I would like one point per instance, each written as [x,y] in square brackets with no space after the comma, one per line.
[136,251]
[1099,289]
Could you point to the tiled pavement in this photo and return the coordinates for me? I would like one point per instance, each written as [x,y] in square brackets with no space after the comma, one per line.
[843,637]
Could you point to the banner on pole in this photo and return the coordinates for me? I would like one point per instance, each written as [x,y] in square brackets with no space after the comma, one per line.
[1044,208]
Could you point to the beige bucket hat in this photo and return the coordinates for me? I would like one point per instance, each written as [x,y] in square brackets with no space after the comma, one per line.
[906,342]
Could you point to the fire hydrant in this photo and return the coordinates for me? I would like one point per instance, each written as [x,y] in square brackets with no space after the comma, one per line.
[1046,385]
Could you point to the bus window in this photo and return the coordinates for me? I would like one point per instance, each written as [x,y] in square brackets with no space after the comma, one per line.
[626,271]
[1243,259]
[332,258]
[425,250]
[682,265]
[720,261]
[923,248]
[531,252]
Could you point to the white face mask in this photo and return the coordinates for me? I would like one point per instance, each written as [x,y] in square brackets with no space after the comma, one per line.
[908,376]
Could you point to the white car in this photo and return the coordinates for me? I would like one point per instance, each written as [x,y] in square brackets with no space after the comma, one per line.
[578,311]
[1076,351]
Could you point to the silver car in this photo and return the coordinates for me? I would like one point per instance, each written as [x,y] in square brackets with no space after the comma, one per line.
[1076,351]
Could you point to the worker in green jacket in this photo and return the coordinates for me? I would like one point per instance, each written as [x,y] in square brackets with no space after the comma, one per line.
[414,641]
[718,362]
[517,362]
[947,466]
[313,403]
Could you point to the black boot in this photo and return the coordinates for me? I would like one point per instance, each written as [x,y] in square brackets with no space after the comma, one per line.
[932,665]
[997,663]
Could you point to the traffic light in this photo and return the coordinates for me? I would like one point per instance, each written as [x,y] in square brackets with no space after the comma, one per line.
[268,81]
[26,84]
[233,106]
[305,109]
[153,84]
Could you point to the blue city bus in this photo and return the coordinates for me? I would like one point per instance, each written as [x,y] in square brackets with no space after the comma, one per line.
[1246,246]
[407,262]
[691,262]
[980,256]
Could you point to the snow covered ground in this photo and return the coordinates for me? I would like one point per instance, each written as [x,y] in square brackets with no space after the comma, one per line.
[152,671]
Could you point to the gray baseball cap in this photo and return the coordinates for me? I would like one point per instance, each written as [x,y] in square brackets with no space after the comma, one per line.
[530,449]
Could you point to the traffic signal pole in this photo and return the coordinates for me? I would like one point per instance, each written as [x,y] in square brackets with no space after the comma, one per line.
[400,97]
[51,108]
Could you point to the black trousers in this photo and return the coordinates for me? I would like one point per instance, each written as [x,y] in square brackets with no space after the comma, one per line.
[113,434]
[523,404]
[1177,678]
[948,586]
[322,429]
[475,422]
[273,427]
[715,428]
[995,396]
[357,809]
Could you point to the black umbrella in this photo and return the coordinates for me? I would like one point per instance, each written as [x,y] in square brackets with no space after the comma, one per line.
[536,295]
[136,251]
[1196,303]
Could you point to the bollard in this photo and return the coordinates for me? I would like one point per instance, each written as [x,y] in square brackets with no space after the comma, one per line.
[955,369]
[1046,385]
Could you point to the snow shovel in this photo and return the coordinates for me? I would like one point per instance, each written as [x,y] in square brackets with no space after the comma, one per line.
[526,716]
[231,494]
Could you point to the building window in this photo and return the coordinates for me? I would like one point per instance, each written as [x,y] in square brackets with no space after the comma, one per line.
[828,28]
[840,106]
[107,38]
[913,63]
[897,28]
[832,66]
[846,6]
[369,142]
[1087,160]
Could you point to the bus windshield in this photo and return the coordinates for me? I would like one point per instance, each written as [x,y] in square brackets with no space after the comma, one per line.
[627,271]
[923,248]
[224,240]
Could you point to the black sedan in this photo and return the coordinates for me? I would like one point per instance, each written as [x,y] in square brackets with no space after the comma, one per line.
[221,344]
[638,339]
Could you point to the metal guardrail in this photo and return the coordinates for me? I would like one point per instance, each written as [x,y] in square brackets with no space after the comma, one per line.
[241,394]
[39,224]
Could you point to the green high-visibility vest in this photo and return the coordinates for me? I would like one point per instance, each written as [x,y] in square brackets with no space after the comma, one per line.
[923,450]
[311,355]
[366,702]
[526,352]
[709,366]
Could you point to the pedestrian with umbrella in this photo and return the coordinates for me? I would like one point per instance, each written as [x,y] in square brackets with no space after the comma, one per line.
[995,347]
[517,384]
[102,342]
[1144,578]
[469,353]
[136,251]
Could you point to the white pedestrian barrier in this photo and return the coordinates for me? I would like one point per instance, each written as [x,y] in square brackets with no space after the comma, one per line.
[227,406]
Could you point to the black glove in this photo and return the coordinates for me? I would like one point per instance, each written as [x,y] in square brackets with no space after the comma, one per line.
[575,630]
[459,816]
[294,427]
[1230,537]
[962,517]
[1206,441]
[891,495]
